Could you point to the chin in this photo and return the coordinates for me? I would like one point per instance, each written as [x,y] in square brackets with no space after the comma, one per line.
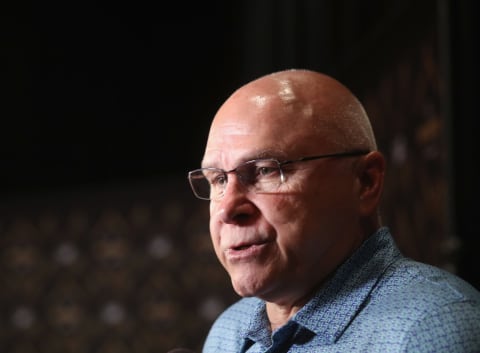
[242,290]
[249,289]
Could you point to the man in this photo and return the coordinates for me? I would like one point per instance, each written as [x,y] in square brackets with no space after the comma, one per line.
[294,179]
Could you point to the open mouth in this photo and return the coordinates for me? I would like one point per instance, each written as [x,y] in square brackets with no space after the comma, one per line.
[242,247]
[246,252]
[246,246]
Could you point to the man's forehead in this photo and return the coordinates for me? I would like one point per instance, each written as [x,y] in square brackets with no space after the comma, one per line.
[221,129]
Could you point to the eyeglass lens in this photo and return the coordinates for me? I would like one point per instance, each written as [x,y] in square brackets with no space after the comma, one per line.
[259,175]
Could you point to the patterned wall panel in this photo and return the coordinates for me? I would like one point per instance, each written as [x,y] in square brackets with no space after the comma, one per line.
[406,102]
[124,270]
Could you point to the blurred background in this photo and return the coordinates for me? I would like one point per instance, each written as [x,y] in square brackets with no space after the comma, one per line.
[106,106]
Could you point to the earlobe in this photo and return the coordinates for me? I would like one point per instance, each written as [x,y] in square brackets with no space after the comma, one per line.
[371,174]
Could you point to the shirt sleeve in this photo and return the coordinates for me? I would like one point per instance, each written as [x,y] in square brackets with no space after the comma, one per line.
[453,328]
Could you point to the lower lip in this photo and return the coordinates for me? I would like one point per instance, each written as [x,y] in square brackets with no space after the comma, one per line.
[249,253]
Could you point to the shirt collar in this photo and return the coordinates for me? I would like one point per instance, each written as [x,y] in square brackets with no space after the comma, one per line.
[335,305]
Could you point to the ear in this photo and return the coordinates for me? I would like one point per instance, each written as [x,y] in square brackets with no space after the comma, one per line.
[370,174]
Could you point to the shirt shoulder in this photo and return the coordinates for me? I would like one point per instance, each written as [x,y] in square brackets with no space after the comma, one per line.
[420,308]
[424,286]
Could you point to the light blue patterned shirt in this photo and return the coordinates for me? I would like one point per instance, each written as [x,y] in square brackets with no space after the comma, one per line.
[377,301]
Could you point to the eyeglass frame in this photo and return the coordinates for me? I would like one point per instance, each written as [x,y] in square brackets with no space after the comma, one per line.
[352,153]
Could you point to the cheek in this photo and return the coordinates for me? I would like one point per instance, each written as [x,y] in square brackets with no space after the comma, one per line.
[301,213]
[286,213]
[214,233]
[215,238]
[295,199]
[331,211]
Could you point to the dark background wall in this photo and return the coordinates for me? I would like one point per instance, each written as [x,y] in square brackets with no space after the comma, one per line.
[97,93]
[465,74]
[105,107]
[100,92]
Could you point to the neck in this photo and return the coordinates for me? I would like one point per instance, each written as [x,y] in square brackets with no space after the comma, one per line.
[280,312]
[279,315]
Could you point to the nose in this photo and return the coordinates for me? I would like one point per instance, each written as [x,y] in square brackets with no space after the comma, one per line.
[235,207]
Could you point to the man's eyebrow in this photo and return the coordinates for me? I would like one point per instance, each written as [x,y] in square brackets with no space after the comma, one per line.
[275,154]
[262,154]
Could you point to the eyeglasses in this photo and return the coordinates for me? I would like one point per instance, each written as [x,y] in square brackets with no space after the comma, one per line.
[259,175]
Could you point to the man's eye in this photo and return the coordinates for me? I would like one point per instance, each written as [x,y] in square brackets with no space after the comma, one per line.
[218,180]
[266,171]
[215,178]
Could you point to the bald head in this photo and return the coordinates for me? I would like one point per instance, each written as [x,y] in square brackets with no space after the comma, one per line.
[280,226]
[300,105]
